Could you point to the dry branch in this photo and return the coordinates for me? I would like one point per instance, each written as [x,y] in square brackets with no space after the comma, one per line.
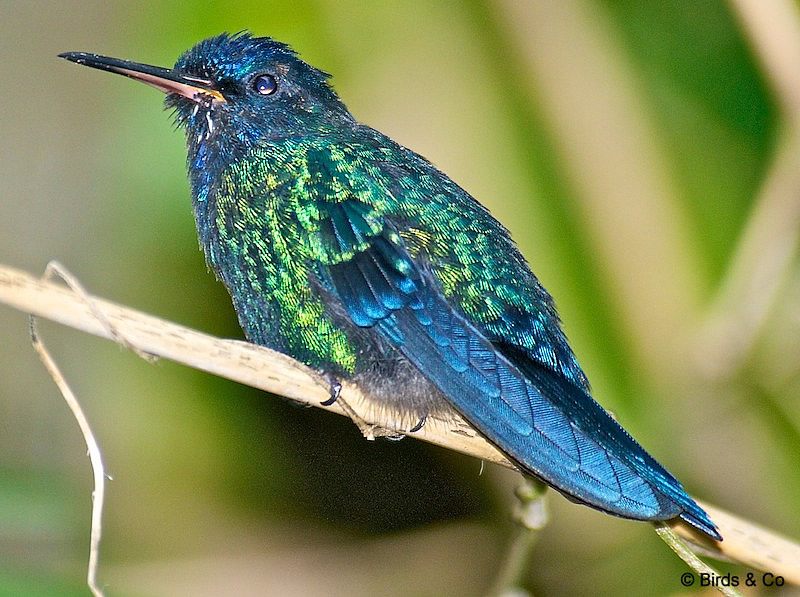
[273,372]
[95,456]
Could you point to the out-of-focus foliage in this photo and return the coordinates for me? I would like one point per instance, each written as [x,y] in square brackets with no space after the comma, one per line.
[626,145]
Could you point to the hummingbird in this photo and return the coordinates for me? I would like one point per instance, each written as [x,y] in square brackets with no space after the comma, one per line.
[358,257]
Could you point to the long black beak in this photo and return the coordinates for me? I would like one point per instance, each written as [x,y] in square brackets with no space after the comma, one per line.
[163,79]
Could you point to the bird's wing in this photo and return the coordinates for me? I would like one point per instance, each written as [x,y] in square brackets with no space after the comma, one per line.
[547,424]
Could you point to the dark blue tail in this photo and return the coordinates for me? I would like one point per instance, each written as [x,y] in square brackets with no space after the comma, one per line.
[545,423]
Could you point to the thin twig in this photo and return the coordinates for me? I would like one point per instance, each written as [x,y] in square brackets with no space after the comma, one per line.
[746,543]
[530,517]
[55,269]
[677,545]
[95,457]
[273,372]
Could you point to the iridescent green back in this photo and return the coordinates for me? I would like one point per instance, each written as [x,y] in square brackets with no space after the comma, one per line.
[269,209]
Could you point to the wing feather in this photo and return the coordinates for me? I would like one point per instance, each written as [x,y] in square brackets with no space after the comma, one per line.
[547,423]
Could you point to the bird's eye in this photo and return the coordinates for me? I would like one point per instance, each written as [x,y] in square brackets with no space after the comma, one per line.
[265,84]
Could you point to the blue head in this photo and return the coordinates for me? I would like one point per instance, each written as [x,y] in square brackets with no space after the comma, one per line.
[231,92]
[267,93]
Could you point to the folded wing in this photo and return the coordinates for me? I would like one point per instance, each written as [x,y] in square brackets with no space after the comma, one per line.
[547,424]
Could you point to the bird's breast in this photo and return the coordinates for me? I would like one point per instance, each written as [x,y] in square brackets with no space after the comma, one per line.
[258,246]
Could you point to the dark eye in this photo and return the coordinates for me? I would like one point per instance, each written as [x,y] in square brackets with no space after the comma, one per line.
[265,84]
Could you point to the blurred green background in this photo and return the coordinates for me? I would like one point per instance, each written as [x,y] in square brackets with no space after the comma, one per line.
[644,156]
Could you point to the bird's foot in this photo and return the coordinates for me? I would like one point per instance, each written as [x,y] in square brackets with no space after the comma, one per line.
[368,430]
[334,389]
[394,436]
[419,425]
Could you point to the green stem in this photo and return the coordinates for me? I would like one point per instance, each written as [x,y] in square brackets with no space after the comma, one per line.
[683,551]
[530,516]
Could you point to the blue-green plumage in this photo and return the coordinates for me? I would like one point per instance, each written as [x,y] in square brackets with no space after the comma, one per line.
[358,257]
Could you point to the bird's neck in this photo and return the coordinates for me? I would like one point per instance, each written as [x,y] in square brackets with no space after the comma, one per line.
[211,159]
[210,162]
[205,164]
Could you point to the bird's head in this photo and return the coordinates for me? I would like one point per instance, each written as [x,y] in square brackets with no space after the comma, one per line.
[231,92]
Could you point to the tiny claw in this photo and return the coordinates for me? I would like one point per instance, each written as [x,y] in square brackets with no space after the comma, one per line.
[419,425]
[335,389]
